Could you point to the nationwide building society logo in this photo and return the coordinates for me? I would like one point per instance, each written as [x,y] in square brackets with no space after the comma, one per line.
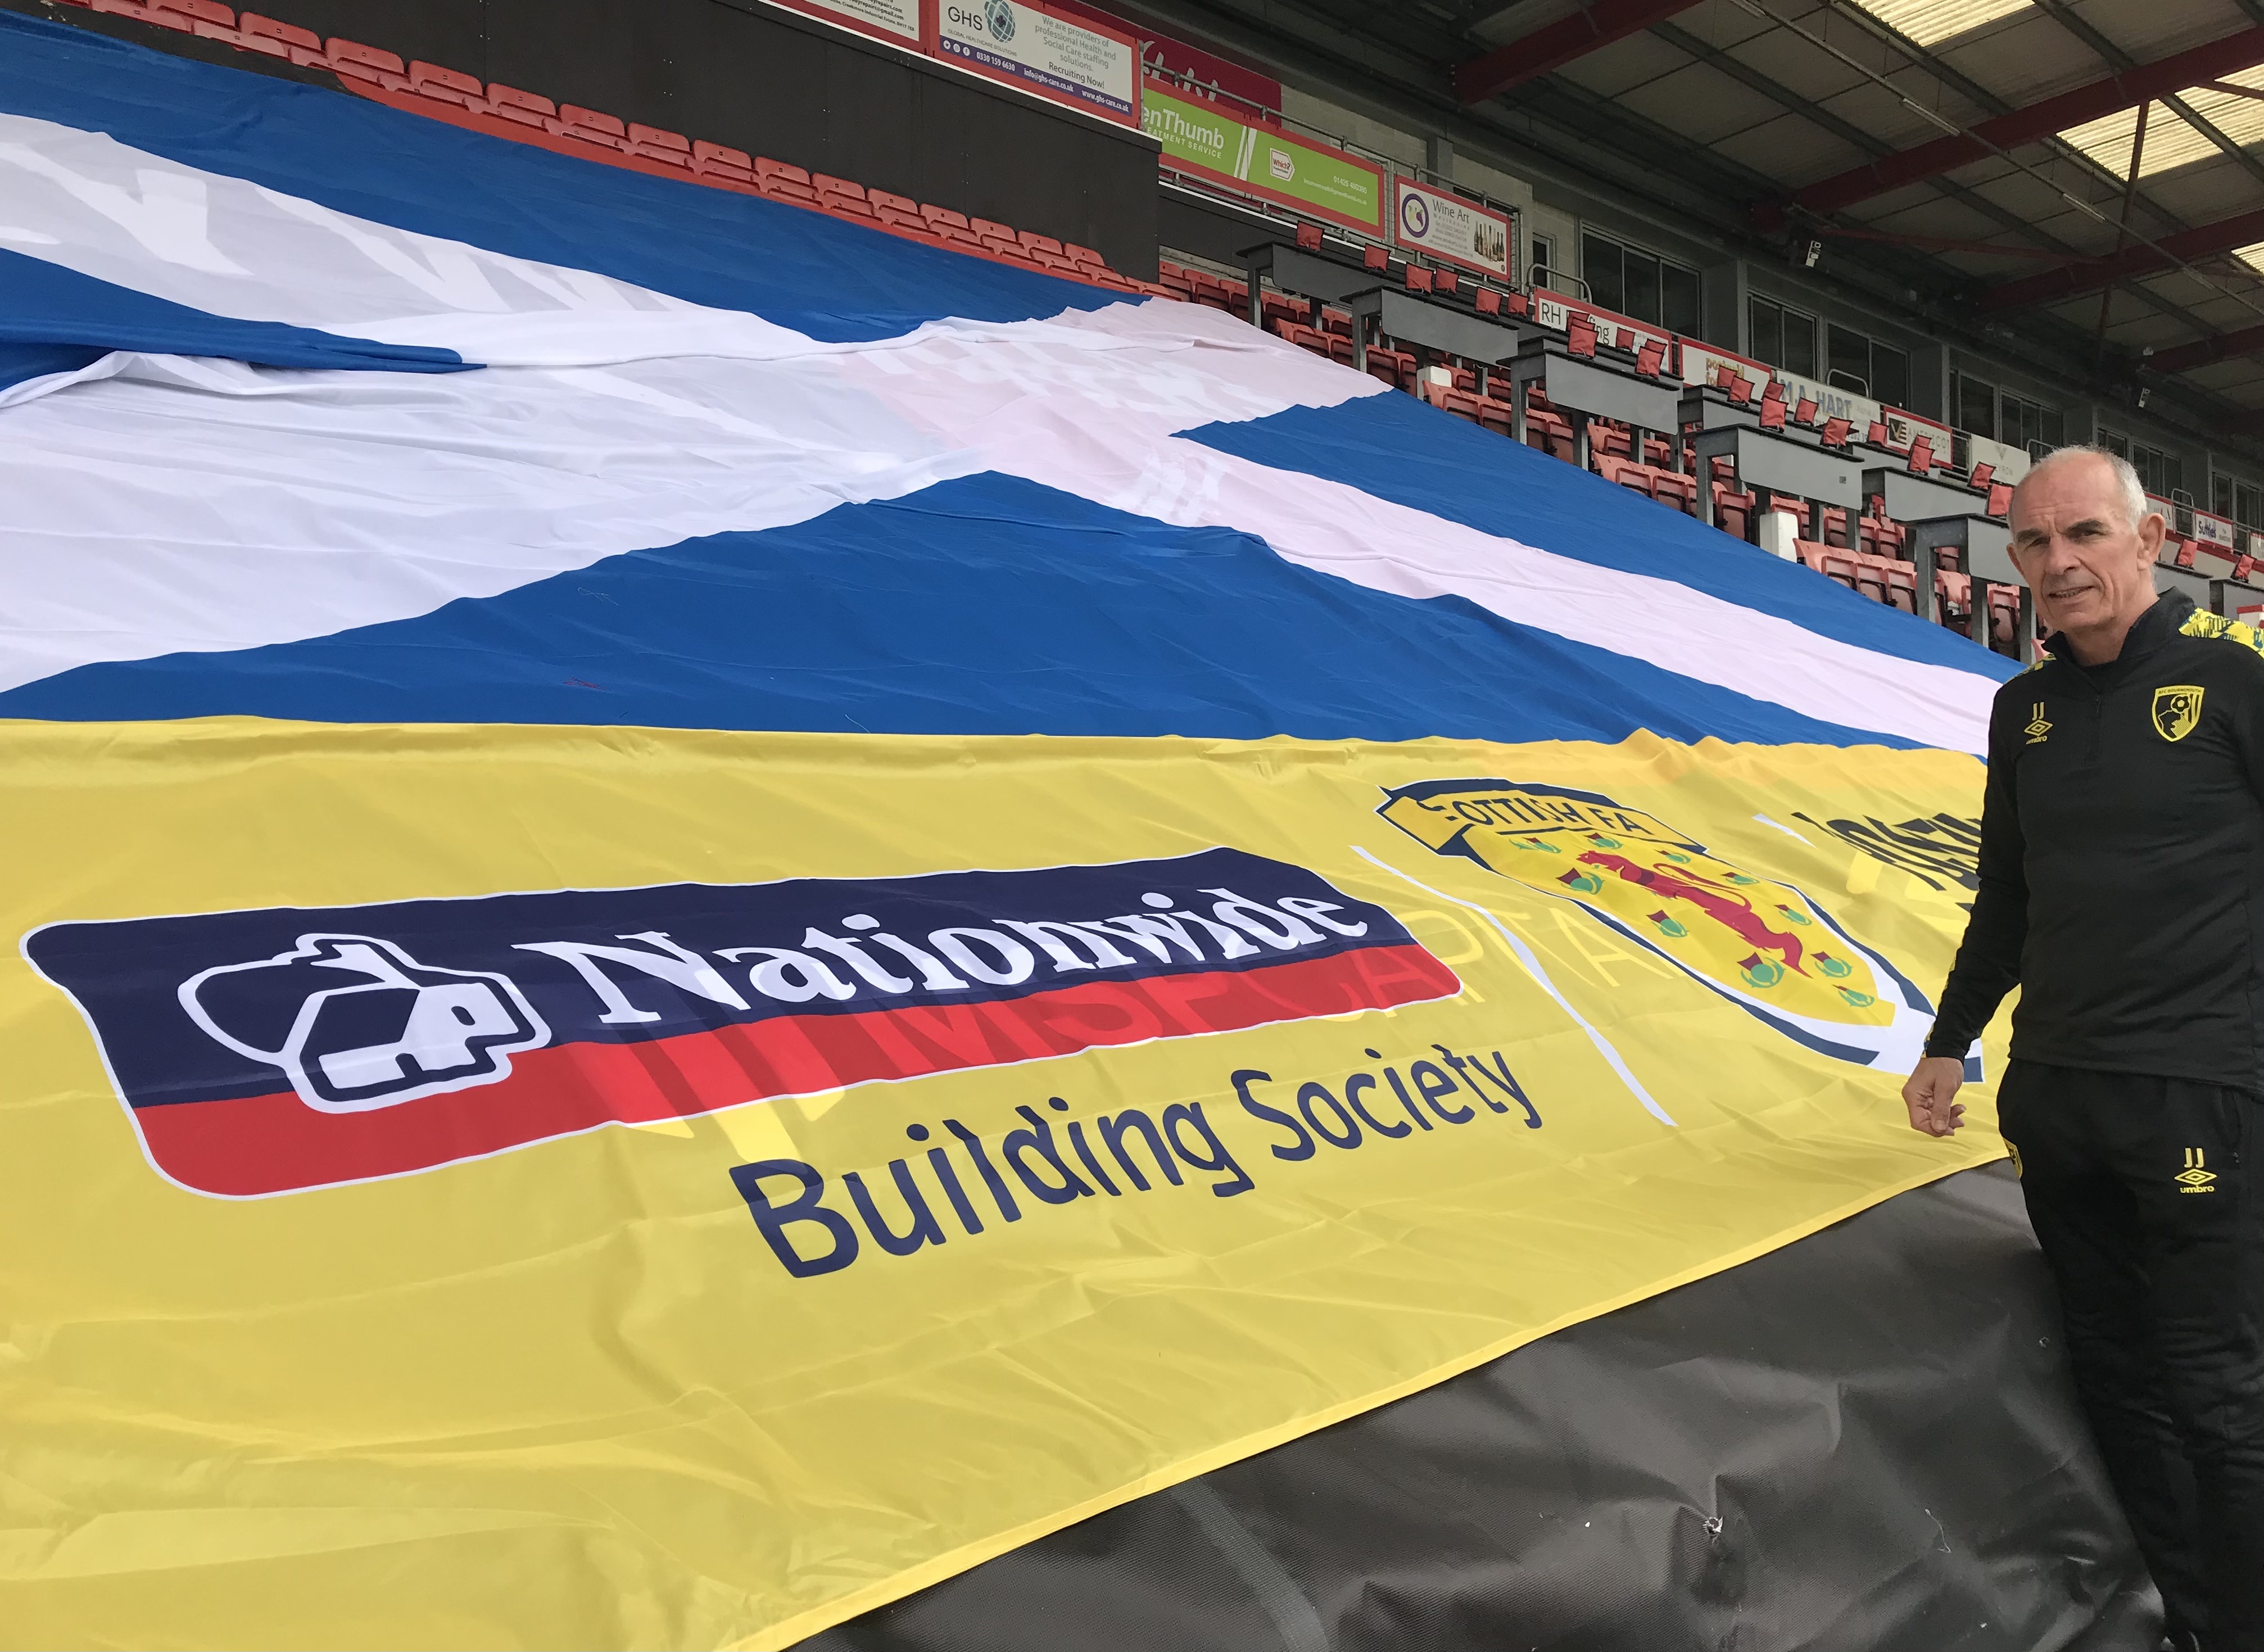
[266,1051]
[1763,944]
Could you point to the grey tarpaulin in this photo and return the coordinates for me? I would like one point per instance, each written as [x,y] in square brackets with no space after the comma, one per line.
[1863,1442]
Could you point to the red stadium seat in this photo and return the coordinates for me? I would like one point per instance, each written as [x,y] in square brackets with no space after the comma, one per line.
[670,148]
[1733,512]
[369,64]
[714,159]
[448,86]
[1374,257]
[1394,368]
[1624,474]
[589,125]
[142,13]
[1488,302]
[900,212]
[1835,432]
[1309,236]
[1037,242]
[250,24]
[1417,279]
[782,182]
[1805,412]
[2001,498]
[209,12]
[1549,433]
[1445,281]
[1084,255]
[524,107]
[1580,334]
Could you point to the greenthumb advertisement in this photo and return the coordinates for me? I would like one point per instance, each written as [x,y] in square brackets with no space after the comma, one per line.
[1211,141]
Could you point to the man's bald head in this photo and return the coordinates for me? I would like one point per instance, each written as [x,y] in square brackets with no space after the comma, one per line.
[2129,488]
[2084,538]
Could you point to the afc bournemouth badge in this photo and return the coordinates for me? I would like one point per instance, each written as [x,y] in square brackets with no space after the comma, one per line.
[2177,710]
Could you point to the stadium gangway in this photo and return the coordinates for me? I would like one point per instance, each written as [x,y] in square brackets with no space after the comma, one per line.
[1596,382]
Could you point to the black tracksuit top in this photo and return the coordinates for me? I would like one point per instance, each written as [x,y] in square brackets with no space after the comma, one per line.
[2121,874]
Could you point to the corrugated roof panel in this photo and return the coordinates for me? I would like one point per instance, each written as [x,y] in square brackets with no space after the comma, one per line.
[2170,141]
[1927,21]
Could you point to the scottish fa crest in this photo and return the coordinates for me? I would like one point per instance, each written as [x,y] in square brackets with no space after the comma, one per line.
[2177,711]
[1762,943]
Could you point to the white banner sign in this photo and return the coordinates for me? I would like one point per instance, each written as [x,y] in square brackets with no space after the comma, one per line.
[1052,56]
[1613,332]
[2010,463]
[896,20]
[1447,227]
[2215,533]
[1700,365]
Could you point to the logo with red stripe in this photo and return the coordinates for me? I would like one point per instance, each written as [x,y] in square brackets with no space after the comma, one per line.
[268,1051]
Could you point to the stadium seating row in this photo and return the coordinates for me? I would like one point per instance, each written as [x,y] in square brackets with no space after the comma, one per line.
[1868,554]
[528,116]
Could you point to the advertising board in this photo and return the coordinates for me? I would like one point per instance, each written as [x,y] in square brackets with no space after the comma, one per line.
[1066,59]
[1198,73]
[1212,140]
[1447,227]
[1613,332]
[896,21]
[1701,363]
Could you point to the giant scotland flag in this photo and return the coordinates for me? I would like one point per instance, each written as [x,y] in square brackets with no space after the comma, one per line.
[717,914]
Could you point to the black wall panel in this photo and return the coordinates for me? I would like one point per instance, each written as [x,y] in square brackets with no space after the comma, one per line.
[740,73]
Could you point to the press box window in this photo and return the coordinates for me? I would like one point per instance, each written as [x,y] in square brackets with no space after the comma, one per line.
[2163,474]
[1639,284]
[1868,367]
[1782,337]
[2242,501]
[1980,408]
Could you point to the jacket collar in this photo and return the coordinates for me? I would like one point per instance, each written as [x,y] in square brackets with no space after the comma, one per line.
[2153,628]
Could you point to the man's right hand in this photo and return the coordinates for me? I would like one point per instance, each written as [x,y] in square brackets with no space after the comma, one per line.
[1930,1094]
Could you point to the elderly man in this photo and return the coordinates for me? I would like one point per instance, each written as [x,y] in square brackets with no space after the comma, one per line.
[2123,887]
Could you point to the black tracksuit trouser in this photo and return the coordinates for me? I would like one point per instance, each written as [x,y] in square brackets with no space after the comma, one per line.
[2147,1197]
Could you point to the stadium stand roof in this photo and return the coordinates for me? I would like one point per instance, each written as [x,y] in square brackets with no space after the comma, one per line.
[1969,162]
